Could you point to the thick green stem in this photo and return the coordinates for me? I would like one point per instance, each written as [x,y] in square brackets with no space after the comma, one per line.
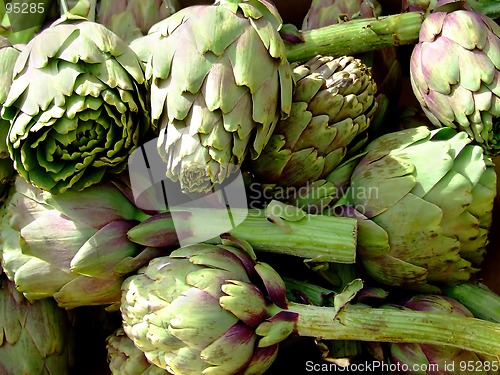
[397,325]
[481,301]
[313,237]
[356,36]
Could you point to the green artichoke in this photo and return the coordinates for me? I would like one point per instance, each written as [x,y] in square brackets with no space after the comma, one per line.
[455,74]
[76,106]
[126,359]
[131,19]
[216,310]
[220,81]
[424,201]
[35,338]
[329,12]
[384,63]
[333,103]
[72,246]
[425,359]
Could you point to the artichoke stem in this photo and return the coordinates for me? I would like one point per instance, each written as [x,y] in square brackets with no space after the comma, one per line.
[397,325]
[481,301]
[356,36]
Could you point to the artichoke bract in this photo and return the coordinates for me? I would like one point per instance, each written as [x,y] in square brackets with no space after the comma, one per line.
[432,359]
[76,106]
[208,309]
[126,359]
[220,81]
[424,202]
[35,338]
[333,102]
[455,74]
[132,19]
[71,246]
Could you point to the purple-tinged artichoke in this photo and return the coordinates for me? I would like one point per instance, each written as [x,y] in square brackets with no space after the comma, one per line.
[216,310]
[72,246]
[455,74]
[35,338]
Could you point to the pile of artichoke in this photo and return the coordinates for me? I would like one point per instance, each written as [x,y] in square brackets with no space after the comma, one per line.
[240,187]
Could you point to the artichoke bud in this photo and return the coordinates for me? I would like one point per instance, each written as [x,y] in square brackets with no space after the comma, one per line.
[76,106]
[8,58]
[132,19]
[212,99]
[234,322]
[53,247]
[333,103]
[464,95]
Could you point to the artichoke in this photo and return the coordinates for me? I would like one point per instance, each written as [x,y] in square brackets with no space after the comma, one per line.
[424,202]
[216,310]
[8,58]
[75,105]
[126,359]
[35,338]
[131,19]
[333,102]
[432,359]
[455,74]
[220,81]
[71,246]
